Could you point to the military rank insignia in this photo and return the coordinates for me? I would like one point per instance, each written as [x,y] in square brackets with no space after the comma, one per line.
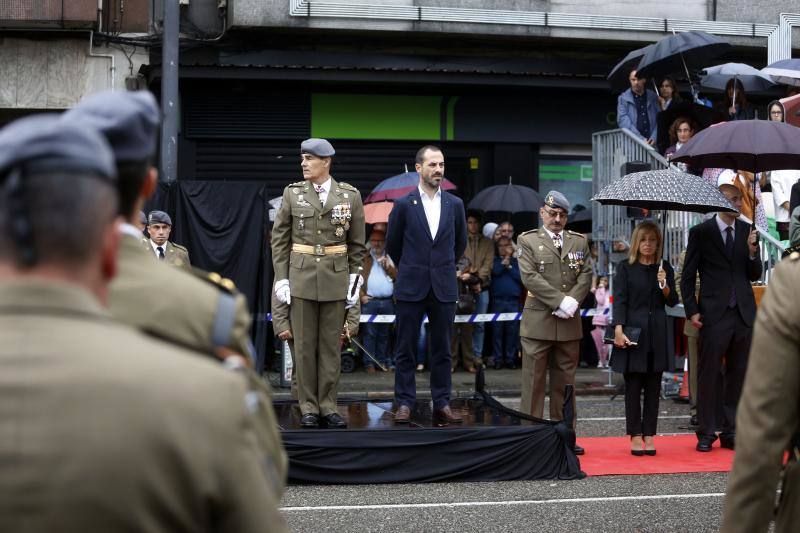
[302,202]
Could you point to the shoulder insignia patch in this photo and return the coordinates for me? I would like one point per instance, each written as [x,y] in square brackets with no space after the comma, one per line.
[526,232]
[576,233]
[298,184]
[223,284]
[179,247]
[343,185]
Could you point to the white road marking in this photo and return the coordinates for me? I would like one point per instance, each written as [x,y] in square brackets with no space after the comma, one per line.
[506,503]
[612,418]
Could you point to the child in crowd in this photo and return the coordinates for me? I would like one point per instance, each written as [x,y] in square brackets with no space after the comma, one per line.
[600,320]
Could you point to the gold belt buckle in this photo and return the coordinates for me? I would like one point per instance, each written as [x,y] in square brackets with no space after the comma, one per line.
[319,249]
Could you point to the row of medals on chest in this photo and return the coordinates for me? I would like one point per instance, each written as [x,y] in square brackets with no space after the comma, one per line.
[574,260]
[340,214]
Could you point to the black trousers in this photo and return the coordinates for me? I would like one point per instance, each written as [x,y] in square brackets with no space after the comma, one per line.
[640,421]
[730,338]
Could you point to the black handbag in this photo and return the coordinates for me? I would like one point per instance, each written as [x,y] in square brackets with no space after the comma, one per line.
[633,334]
[465,305]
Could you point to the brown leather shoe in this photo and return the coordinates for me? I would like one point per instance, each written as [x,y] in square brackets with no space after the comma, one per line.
[445,416]
[403,415]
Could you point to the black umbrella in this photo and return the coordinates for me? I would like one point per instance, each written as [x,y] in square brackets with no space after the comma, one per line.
[701,115]
[664,189]
[580,221]
[507,198]
[753,145]
[618,78]
[681,51]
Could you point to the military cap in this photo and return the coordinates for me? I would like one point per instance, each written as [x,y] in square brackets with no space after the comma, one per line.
[45,143]
[142,218]
[129,120]
[159,217]
[555,200]
[317,147]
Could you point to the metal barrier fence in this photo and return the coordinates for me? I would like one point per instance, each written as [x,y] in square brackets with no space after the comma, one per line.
[611,150]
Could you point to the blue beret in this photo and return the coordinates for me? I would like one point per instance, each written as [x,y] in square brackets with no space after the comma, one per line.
[555,199]
[159,217]
[142,218]
[129,120]
[45,143]
[317,147]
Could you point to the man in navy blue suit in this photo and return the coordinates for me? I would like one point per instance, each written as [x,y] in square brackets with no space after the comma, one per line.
[426,234]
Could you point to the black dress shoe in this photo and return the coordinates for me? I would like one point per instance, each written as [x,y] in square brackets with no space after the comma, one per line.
[333,421]
[578,450]
[511,366]
[727,442]
[693,421]
[705,442]
[309,420]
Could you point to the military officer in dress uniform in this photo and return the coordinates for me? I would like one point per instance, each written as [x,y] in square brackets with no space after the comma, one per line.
[555,270]
[768,417]
[193,309]
[103,428]
[317,251]
[159,226]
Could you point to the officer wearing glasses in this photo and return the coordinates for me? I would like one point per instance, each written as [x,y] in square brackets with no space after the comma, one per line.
[554,264]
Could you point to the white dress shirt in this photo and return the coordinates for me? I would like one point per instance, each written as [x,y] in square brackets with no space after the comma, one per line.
[553,236]
[323,196]
[156,246]
[433,209]
[723,227]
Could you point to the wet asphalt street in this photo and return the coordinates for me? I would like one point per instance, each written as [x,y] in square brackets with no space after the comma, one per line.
[671,503]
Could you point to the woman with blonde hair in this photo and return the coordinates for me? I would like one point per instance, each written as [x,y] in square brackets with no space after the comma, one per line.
[643,285]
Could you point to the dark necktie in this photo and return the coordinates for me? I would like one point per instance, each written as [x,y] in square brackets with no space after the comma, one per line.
[160,252]
[729,253]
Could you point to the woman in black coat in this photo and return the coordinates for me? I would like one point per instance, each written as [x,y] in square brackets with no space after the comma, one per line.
[643,285]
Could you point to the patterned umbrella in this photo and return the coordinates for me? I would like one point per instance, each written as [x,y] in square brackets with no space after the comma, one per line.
[400,185]
[664,189]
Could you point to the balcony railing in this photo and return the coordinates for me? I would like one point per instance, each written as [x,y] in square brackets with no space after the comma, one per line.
[610,151]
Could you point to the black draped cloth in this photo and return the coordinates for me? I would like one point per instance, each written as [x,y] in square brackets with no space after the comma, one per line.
[224,227]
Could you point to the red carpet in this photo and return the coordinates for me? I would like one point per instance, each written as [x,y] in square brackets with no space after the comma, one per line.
[606,456]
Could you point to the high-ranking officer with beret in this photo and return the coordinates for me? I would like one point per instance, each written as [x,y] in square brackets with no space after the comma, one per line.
[159,226]
[101,427]
[195,310]
[317,251]
[555,270]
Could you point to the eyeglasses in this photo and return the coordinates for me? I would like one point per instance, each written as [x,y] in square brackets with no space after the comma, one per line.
[555,214]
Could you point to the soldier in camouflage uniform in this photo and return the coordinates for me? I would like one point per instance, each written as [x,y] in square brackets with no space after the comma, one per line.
[317,251]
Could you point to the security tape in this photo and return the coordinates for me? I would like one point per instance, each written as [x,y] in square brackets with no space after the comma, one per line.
[676,312]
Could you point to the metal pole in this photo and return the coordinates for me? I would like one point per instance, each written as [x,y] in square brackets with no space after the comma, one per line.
[169,92]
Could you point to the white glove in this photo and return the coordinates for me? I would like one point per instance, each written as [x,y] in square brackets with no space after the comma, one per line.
[283,292]
[561,314]
[353,289]
[569,305]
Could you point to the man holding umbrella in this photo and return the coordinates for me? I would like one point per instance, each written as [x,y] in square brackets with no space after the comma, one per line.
[724,251]
[555,269]
[637,110]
